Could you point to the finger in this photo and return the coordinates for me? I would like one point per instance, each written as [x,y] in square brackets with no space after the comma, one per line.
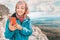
[9,24]
[15,25]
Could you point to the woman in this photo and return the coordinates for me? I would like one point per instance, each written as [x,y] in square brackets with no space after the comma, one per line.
[22,29]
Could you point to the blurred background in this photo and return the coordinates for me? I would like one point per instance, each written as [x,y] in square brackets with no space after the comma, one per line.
[44,14]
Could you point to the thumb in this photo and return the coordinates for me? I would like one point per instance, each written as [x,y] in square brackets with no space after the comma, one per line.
[15,25]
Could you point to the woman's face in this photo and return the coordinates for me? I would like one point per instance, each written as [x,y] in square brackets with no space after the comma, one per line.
[20,9]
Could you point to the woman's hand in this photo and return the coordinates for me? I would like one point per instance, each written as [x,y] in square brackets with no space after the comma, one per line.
[19,27]
[12,28]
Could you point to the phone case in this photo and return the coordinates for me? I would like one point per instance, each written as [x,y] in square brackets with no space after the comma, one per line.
[12,20]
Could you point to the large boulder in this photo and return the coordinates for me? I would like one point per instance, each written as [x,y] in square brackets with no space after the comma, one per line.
[4,11]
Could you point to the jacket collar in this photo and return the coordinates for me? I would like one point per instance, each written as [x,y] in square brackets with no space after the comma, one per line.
[26,19]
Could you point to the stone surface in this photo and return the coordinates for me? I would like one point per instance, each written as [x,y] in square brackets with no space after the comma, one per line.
[37,34]
[4,11]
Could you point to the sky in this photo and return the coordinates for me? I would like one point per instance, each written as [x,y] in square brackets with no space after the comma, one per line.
[37,8]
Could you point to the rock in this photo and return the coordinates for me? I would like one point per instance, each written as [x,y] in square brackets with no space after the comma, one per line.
[37,34]
[4,11]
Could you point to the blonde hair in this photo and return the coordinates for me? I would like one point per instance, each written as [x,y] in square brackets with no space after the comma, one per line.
[26,7]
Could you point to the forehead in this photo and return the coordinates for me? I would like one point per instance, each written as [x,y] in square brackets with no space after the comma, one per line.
[20,3]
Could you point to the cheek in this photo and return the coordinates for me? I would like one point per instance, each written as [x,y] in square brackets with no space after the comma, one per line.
[23,10]
[20,11]
[17,10]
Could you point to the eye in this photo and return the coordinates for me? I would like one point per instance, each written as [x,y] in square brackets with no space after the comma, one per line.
[22,8]
[17,7]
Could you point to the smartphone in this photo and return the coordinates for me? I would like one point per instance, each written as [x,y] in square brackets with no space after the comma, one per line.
[13,21]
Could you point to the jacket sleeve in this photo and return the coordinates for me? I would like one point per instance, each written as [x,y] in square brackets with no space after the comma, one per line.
[8,34]
[27,30]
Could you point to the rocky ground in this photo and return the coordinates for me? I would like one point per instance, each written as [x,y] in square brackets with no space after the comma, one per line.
[53,33]
[37,34]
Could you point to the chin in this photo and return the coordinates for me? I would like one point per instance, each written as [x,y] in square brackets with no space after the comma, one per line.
[20,15]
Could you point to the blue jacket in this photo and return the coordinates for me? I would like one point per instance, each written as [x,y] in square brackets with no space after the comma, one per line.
[19,34]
